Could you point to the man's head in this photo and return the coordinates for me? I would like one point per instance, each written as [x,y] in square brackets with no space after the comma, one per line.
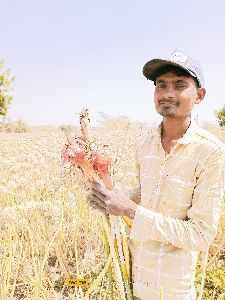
[178,88]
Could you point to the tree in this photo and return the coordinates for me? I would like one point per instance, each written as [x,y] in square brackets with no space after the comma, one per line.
[220,114]
[6,87]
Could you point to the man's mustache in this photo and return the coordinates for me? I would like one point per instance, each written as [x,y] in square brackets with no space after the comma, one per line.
[171,101]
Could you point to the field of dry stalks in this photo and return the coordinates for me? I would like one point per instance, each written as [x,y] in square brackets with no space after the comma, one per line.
[47,230]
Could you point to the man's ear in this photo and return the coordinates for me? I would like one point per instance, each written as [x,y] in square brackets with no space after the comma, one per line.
[200,95]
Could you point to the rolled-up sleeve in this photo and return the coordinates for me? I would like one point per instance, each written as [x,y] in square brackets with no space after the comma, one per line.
[198,231]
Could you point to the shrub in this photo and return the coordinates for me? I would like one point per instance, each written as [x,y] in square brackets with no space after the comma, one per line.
[18,126]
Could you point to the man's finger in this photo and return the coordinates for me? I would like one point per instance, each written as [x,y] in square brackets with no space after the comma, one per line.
[95,206]
[87,195]
[101,192]
[96,186]
[99,195]
[99,202]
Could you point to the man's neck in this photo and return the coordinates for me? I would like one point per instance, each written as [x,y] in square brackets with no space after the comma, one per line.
[174,129]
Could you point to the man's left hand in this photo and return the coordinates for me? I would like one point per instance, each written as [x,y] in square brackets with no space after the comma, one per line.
[113,202]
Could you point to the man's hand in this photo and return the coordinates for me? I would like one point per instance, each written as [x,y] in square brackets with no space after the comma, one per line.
[111,201]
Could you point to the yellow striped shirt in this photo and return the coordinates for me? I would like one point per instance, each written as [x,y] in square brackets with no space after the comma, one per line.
[181,199]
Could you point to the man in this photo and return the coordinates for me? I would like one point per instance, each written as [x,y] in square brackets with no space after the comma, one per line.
[181,186]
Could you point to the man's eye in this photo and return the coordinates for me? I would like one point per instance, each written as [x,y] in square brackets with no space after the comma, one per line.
[160,85]
[181,85]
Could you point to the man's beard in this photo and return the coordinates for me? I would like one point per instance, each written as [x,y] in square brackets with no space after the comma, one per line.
[166,110]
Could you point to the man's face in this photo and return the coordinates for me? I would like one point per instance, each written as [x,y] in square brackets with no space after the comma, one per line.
[175,96]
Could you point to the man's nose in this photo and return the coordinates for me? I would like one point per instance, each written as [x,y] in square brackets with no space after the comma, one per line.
[169,91]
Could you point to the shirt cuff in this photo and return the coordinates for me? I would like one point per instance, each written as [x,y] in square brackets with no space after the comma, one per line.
[143,224]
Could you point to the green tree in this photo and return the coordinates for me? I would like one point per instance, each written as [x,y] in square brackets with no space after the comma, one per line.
[220,114]
[6,87]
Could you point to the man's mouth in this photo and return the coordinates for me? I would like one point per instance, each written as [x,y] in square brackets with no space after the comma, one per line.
[165,102]
[168,103]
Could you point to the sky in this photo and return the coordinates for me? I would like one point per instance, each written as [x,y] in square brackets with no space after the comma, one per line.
[67,55]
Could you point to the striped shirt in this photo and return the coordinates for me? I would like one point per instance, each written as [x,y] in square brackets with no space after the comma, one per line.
[181,201]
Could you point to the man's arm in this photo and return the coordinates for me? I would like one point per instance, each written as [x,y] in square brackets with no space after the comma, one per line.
[199,231]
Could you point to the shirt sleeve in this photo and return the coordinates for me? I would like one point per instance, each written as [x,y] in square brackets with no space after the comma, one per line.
[199,230]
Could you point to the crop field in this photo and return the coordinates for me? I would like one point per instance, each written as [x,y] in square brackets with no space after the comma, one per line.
[47,230]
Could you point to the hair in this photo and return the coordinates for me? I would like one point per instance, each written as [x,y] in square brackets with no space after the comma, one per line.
[176,70]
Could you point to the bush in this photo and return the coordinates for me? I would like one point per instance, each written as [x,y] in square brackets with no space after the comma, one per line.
[214,287]
[67,127]
[220,114]
[18,126]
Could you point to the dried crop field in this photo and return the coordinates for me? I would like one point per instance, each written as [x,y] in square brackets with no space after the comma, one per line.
[48,231]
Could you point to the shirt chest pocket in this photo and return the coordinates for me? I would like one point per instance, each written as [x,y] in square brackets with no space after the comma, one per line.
[177,192]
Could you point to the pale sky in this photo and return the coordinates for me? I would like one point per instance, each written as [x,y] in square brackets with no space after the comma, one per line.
[68,54]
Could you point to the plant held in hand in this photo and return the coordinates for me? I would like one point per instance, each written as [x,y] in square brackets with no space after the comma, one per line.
[82,152]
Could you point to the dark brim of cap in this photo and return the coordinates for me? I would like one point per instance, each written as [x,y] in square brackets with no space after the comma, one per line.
[150,68]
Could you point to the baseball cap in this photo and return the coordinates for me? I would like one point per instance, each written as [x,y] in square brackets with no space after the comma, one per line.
[177,58]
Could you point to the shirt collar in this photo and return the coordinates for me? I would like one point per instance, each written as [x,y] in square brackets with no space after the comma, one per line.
[187,138]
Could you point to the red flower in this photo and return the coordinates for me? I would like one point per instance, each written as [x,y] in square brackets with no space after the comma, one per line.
[100,163]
